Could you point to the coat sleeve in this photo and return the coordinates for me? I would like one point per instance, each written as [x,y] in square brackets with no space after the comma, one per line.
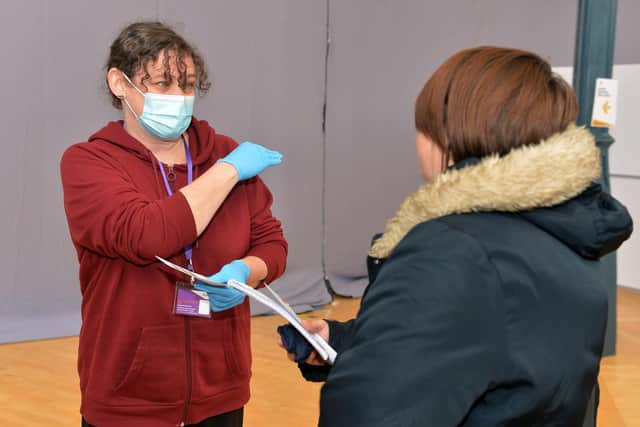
[267,238]
[107,214]
[427,341]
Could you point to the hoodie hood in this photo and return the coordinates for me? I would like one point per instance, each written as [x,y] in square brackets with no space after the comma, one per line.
[201,137]
[545,183]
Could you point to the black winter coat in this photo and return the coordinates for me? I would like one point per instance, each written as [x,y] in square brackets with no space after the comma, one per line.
[488,308]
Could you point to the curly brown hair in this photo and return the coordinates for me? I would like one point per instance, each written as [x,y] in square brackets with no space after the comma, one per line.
[141,43]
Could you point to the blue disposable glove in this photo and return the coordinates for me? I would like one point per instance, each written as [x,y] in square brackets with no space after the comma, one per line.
[250,159]
[224,298]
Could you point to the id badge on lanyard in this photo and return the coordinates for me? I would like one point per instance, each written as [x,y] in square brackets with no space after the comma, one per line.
[188,301]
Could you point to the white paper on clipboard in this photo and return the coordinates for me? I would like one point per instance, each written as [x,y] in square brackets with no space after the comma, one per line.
[325,351]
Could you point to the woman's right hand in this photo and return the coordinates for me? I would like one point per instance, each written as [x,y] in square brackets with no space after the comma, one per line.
[250,159]
[320,327]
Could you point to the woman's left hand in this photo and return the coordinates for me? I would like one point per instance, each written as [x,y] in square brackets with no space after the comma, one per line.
[224,298]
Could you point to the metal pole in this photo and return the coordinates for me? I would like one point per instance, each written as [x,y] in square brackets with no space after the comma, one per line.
[595,40]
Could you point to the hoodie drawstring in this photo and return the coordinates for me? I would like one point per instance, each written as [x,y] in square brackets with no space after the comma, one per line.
[156,176]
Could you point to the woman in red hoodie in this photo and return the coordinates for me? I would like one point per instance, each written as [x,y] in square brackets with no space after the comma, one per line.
[153,351]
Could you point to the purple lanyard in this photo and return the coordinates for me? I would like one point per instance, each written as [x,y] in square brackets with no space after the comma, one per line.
[188,251]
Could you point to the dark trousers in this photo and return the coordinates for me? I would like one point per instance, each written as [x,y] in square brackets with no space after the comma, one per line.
[228,419]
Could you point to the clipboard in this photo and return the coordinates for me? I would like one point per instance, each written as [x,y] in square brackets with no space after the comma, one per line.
[325,351]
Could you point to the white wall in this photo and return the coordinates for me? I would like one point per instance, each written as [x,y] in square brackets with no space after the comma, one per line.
[627,190]
[624,161]
[624,164]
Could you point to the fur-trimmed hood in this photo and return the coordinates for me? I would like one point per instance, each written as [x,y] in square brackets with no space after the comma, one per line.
[524,180]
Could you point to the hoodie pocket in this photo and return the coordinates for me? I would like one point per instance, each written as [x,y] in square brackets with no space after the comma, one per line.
[157,371]
[221,355]
[239,353]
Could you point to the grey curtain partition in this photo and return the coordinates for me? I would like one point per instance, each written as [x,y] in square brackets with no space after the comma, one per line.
[267,61]
[382,52]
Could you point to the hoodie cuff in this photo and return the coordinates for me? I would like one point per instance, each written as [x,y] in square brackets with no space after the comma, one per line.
[272,255]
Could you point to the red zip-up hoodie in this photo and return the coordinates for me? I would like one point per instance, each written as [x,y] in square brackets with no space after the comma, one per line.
[139,363]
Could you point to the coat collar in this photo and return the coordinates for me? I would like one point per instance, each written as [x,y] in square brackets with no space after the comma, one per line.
[533,176]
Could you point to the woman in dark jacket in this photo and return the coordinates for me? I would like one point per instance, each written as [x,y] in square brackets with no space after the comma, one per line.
[485,306]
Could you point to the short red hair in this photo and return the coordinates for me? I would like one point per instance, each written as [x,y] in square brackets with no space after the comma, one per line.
[489,100]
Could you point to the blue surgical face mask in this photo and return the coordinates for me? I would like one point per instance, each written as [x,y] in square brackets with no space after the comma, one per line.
[164,116]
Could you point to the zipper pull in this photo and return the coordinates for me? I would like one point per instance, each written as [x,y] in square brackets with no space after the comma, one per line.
[171,176]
